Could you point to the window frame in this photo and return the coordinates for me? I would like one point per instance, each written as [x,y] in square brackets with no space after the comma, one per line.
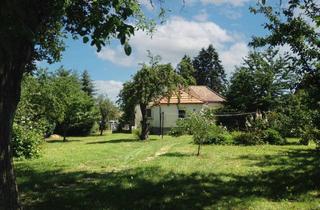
[180,115]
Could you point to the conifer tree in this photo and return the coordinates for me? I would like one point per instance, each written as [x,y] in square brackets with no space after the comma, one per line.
[186,71]
[87,84]
[209,70]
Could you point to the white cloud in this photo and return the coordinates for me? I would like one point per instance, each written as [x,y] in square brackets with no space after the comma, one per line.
[231,13]
[234,56]
[114,55]
[111,88]
[202,16]
[177,37]
[235,3]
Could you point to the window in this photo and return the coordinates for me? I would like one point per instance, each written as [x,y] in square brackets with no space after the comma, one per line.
[149,113]
[182,114]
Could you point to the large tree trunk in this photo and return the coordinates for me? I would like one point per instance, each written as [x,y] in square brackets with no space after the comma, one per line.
[144,123]
[10,85]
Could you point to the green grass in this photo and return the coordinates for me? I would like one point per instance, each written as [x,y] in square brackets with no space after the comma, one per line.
[117,172]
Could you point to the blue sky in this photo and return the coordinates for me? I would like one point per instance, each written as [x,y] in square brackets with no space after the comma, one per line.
[227,24]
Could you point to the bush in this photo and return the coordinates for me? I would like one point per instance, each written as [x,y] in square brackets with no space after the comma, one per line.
[249,138]
[272,136]
[183,128]
[311,134]
[216,135]
[136,133]
[222,138]
[26,141]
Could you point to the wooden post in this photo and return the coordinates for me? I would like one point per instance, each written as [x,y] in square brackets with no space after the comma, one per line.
[162,124]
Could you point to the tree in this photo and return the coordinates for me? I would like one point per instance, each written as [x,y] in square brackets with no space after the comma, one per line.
[107,112]
[260,82]
[78,107]
[33,30]
[296,25]
[87,84]
[148,85]
[127,105]
[209,70]
[186,71]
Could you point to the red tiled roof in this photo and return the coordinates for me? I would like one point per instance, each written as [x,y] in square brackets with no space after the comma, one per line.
[184,98]
[205,94]
[194,95]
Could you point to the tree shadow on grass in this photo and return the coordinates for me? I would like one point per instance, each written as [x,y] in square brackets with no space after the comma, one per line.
[60,141]
[177,154]
[292,176]
[115,141]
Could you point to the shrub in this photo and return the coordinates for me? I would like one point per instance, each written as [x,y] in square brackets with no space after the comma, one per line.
[248,138]
[26,141]
[222,138]
[183,128]
[272,136]
[309,135]
[216,135]
[136,133]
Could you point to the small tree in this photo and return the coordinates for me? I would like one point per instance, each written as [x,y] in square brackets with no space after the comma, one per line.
[107,112]
[199,124]
[199,128]
[148,85]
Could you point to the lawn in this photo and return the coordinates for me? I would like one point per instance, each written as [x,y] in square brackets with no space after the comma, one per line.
[117,172]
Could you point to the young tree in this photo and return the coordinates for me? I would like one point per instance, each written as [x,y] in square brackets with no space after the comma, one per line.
[186,71]
[87,84]
[260,82]
[149,84]
[127,105]
[107,112]
[33,30]
[209,70]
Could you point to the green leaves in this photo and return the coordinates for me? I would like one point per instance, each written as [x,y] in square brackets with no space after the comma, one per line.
[148,85]
[127,49]
[85,39]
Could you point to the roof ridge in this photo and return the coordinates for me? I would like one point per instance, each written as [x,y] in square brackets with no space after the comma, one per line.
[216,93]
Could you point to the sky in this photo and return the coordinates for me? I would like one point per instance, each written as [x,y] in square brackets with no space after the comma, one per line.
[226,24]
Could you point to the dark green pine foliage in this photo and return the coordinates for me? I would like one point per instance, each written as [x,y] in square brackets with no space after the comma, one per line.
[209,70]
[87,84]
[186,71]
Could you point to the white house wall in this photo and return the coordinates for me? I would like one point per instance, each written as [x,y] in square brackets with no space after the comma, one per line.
[170,113]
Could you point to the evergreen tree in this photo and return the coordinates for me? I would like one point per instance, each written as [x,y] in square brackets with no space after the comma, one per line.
[260,82]
[186,71]
[209,70]
[87,84]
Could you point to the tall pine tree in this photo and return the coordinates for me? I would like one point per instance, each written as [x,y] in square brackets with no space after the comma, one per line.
[87,84]
[186,71]
[209,70]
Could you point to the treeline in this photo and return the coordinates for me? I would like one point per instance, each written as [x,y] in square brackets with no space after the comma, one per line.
[60,102]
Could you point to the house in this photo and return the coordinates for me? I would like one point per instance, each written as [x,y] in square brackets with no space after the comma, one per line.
[165,113]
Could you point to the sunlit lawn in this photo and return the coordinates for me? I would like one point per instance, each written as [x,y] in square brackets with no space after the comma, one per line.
[117,172]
